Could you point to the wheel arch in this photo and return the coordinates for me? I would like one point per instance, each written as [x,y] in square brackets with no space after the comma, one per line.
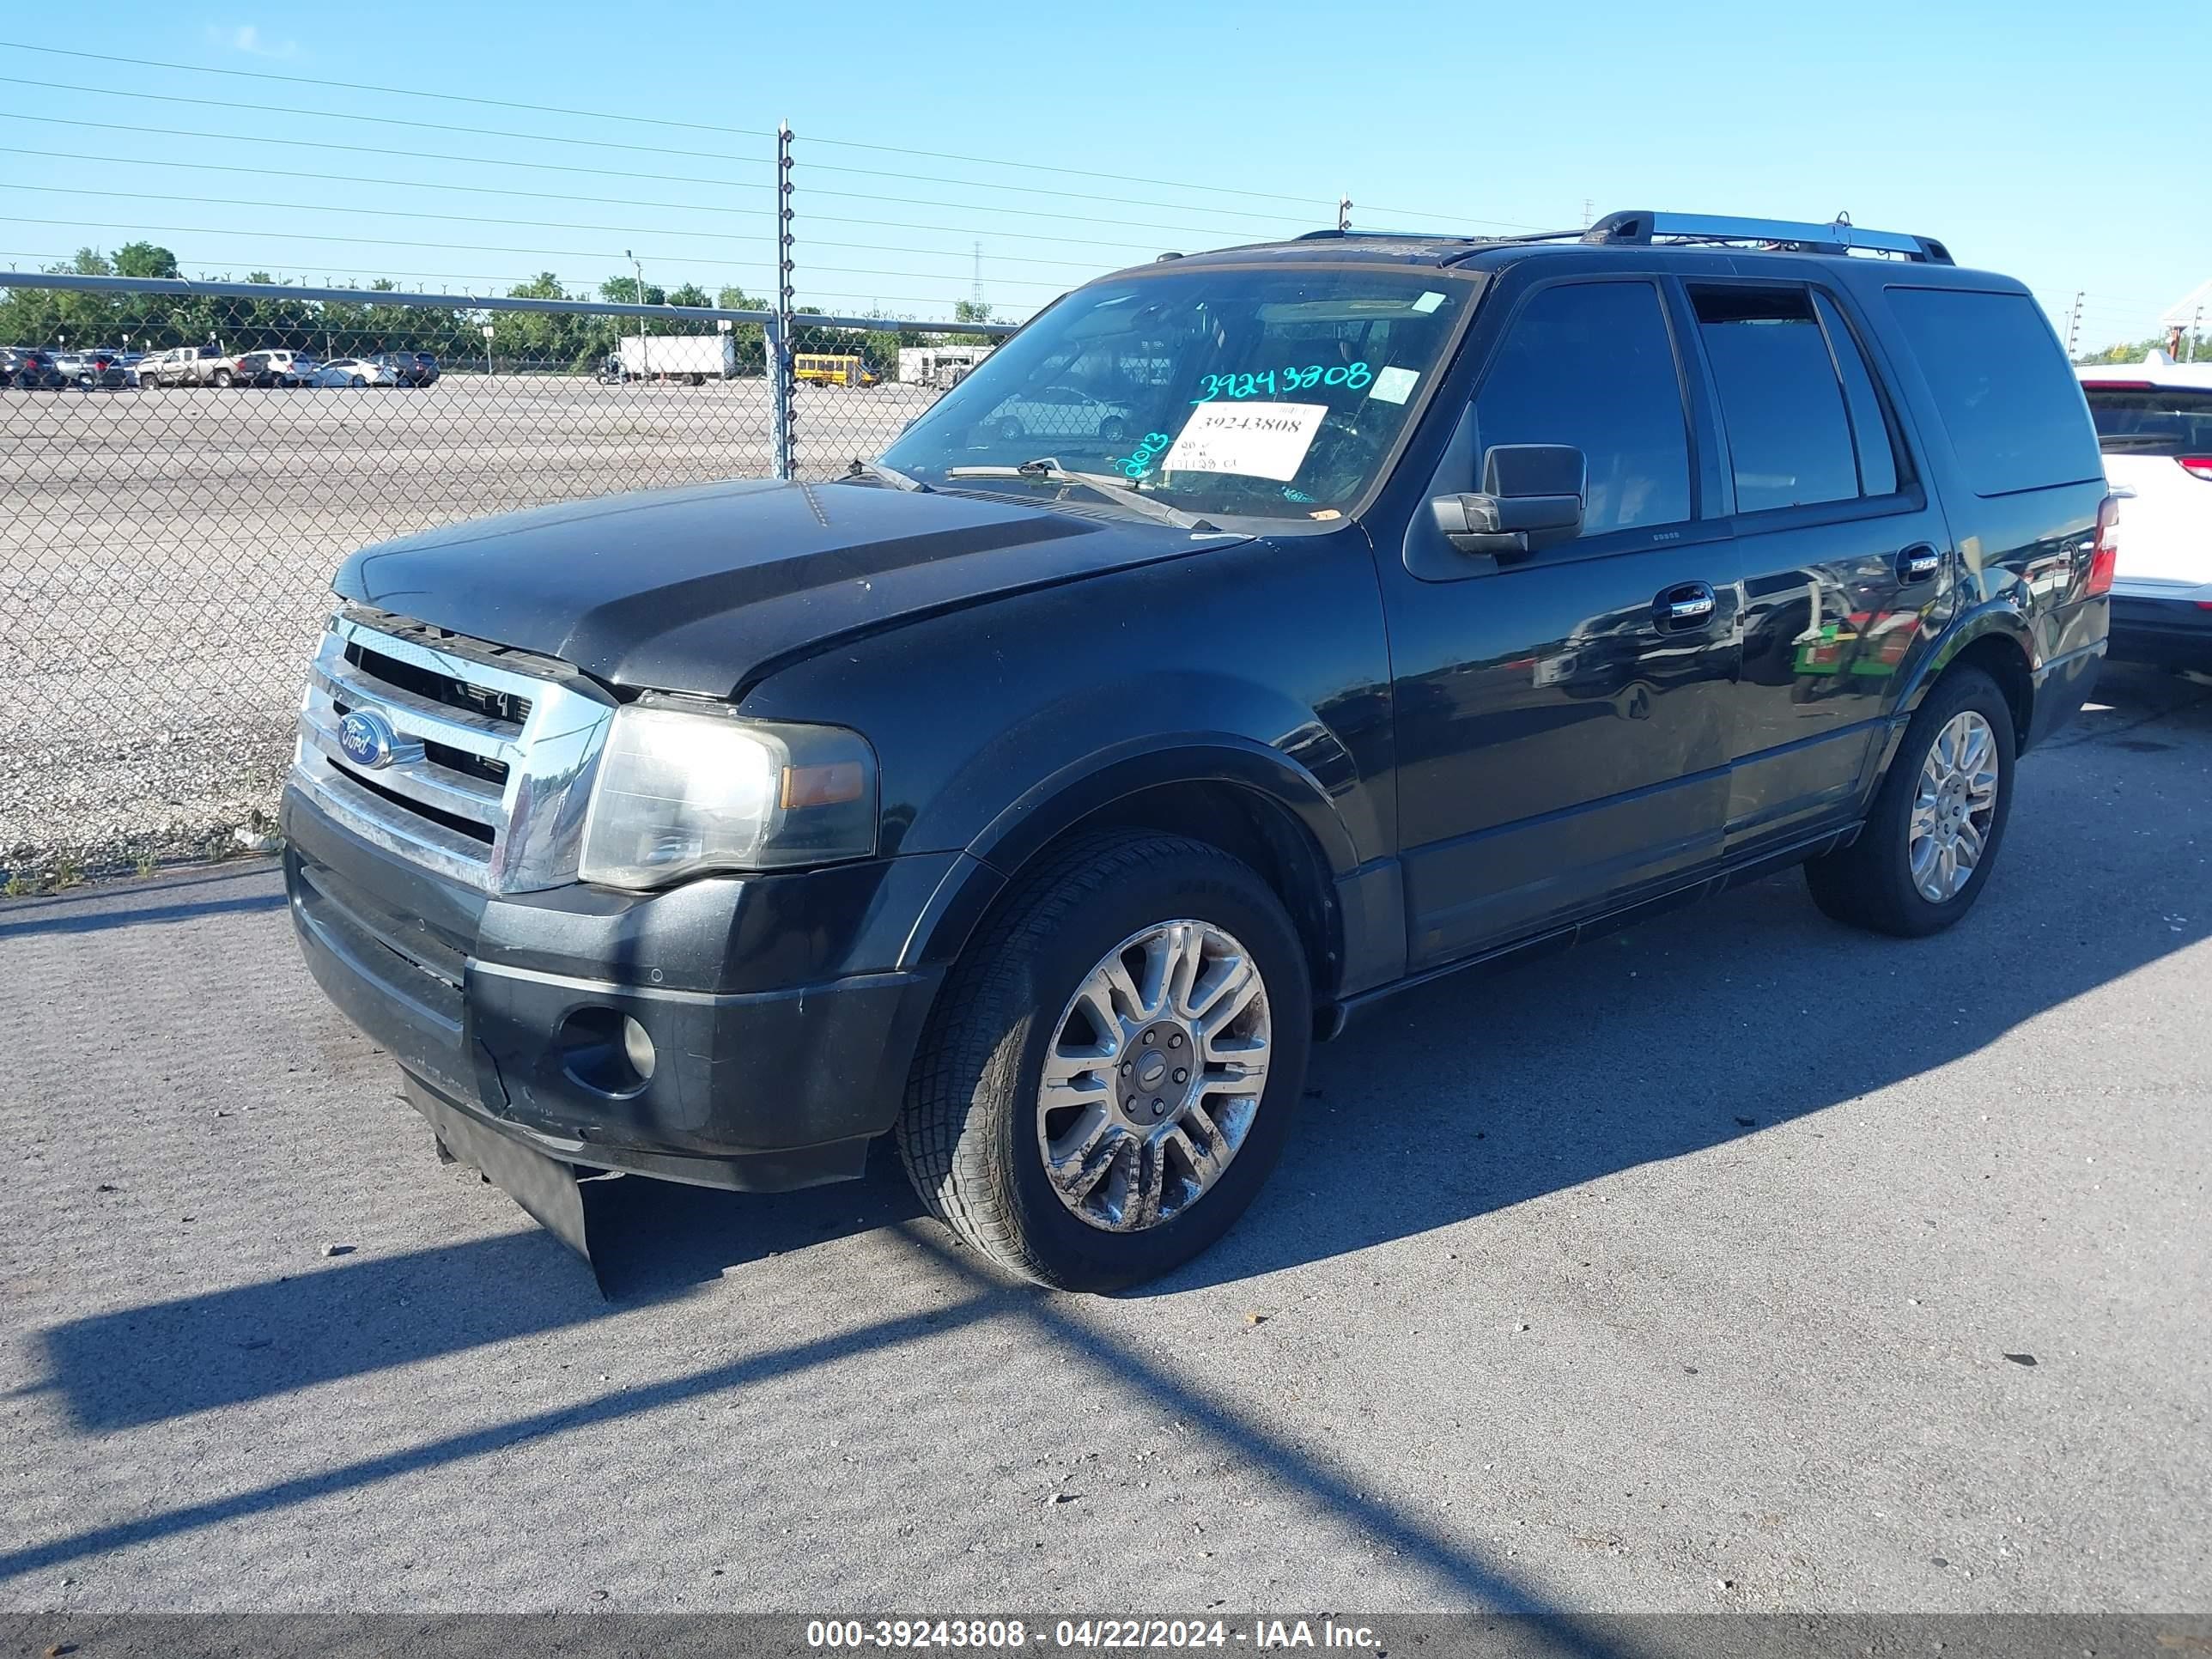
[1251,801]
[1994,638]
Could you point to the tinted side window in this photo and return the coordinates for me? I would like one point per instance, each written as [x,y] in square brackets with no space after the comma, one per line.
[1592,364]
[1878,468]
[2007,398]
[1788,439]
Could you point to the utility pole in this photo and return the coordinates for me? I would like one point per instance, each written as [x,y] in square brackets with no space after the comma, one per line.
[2195,322]
[2074,325]
[782,392]
[1343,214]
[1589,211]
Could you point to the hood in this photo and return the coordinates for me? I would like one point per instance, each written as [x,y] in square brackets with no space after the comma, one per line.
[700,589]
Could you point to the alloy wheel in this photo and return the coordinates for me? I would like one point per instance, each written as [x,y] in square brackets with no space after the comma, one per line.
[1154,1075]
[1952,807]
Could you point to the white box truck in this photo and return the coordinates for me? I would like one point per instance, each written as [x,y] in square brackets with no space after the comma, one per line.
[693,357]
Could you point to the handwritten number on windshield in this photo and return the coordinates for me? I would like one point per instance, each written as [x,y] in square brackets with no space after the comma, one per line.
[1147,452]
[1353,377]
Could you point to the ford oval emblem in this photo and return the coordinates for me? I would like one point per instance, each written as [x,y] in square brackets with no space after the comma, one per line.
[368,738]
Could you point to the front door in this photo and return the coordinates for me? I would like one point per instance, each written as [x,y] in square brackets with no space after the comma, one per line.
[1562,717]
[1847,560]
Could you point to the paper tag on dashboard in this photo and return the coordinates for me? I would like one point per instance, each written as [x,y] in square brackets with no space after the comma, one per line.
[1252,439]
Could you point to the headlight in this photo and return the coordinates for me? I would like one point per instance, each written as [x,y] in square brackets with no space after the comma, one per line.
[680,790]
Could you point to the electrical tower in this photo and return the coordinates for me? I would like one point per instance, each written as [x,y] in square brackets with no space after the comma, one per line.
[978,295]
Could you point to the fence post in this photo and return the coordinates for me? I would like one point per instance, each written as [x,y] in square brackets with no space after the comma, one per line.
[779,395]
[783,383]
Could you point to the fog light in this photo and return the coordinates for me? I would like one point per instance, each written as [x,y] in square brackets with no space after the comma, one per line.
[608,1053]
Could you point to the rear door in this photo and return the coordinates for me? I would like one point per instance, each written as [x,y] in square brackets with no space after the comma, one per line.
[1847,564]
[1562,717]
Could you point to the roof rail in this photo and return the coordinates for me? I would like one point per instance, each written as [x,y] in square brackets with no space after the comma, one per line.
[1334,234]
[1840,236]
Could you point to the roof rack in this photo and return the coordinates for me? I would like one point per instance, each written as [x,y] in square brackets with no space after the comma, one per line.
[1840,236]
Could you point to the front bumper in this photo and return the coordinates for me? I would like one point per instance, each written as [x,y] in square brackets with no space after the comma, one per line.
[782,1026]
[2174,631]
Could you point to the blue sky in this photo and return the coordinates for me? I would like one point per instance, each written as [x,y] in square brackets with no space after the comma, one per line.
[2042,140]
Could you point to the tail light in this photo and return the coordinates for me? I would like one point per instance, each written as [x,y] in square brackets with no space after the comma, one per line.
[2106,558]
[2197,466]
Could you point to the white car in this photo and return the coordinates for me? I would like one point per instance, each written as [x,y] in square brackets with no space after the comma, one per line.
[352,371]
[2154,425]
[1060,411]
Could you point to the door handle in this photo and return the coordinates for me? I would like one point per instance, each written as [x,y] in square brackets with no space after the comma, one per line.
[1918,563]
[1684,606]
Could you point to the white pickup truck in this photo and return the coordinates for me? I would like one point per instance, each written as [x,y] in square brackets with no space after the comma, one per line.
[201,365]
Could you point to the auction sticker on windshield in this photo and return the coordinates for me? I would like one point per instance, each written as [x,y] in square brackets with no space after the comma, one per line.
[1252,439]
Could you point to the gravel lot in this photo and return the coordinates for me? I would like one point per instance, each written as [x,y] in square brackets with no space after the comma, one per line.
[165,560]
[1740,1262]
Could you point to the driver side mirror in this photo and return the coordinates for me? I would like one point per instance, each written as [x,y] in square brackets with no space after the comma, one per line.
[1531,499]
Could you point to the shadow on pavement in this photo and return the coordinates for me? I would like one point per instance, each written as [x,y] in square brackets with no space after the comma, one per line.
[214,892]
[1649,1045]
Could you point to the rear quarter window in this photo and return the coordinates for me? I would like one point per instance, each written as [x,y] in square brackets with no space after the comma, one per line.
[2007,397]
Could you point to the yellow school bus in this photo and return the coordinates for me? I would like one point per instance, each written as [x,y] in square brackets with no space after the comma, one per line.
[820,369]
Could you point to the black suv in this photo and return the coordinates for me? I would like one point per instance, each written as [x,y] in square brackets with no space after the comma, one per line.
[30,369]
[1037,796]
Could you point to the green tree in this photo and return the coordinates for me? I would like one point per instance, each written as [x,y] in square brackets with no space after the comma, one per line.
[689,294]
[623,291]
[971,311]
[2135,351]
[144,259]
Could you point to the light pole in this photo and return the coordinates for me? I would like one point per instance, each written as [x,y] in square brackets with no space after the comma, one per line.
[487,367]
[644,360]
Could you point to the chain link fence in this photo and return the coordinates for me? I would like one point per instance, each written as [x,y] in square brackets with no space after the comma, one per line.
[185,464]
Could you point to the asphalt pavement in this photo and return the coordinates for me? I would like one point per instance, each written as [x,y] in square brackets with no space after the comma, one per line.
[1738,1262]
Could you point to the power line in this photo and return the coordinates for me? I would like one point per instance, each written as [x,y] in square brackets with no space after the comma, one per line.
[532,224]
[604,172]
[642,120]
[567,196]
[1119,200]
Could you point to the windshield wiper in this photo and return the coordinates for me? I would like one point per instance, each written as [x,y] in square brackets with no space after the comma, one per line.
[891,476]
[1121,491]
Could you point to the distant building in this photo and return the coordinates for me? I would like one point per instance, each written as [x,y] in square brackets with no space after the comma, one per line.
[940,366]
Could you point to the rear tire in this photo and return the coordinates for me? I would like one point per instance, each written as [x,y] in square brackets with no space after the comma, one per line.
[977,1124]
[1873,883]
[222,380]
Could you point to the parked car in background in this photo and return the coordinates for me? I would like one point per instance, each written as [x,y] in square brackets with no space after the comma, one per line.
[275,368]
[353,371]
[408,368]
[97,366]
[2154,425]
[28,368]
[200,365]
[1061,411]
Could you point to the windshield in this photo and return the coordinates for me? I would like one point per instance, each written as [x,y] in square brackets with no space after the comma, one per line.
[2139,420]
[1274,393]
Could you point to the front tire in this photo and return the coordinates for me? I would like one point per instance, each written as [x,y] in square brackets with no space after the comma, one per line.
[1928,846]
[1047,1120]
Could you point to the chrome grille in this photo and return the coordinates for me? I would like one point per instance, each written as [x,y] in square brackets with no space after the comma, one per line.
[491,769]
